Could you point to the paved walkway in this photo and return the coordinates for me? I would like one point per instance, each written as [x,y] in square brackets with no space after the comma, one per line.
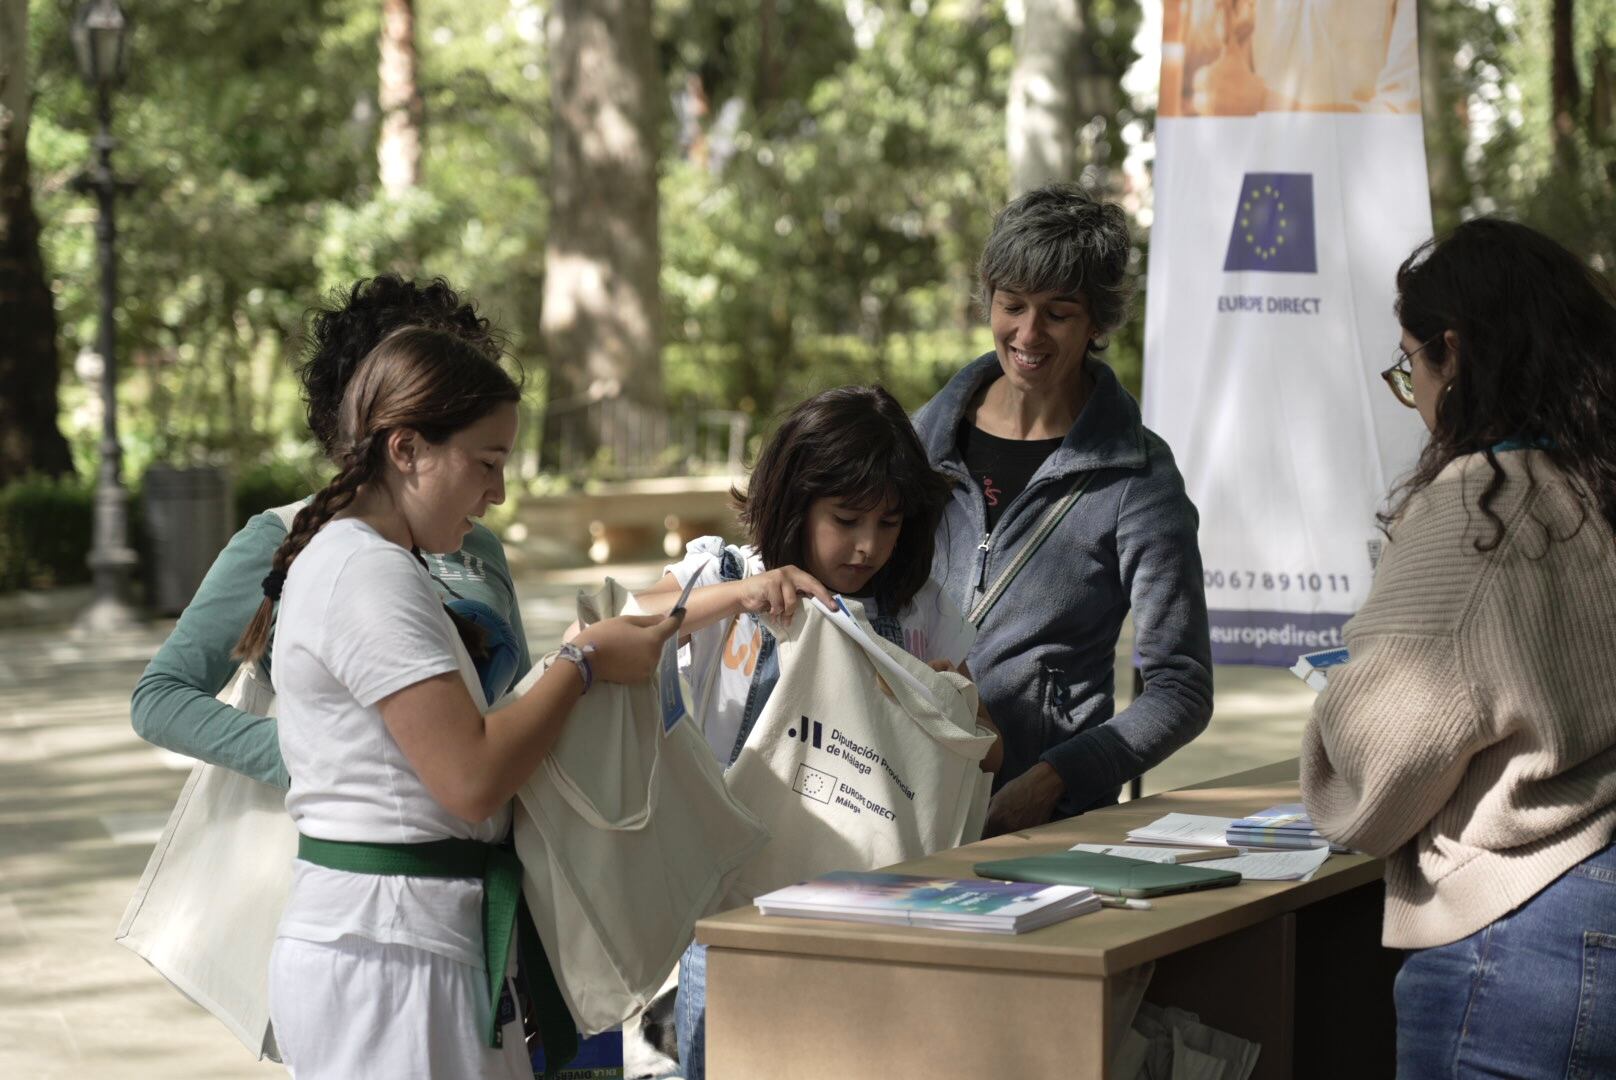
[82,799]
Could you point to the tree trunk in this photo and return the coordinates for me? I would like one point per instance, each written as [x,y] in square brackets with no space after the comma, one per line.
[602,304]
[1566,93]
[1042,114]
[30,441]
[398,151]
[1446,116]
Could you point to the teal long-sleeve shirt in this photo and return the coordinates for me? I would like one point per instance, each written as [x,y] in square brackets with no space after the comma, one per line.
[174,704]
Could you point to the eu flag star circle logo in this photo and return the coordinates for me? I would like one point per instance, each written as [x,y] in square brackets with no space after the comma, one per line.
[1273,225]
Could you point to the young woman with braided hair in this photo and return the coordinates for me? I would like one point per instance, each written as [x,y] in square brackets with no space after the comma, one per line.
[404,906]
[174,704]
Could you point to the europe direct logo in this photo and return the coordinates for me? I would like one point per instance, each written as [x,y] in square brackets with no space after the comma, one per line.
[1272,232]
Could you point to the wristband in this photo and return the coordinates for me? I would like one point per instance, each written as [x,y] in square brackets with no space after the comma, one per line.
[579,658]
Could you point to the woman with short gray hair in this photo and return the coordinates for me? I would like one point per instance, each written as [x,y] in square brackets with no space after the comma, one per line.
[1067,512]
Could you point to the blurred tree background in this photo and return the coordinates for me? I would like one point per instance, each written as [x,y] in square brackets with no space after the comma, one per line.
[824,174]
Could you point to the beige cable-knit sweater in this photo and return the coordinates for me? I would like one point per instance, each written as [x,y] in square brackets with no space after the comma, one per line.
[1471,737]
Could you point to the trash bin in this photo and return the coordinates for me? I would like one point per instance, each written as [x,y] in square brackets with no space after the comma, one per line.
[188,522]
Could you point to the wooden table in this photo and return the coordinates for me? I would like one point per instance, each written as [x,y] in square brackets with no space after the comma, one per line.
[1296,966]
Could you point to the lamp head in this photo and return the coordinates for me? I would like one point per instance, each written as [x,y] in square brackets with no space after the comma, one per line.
[100,29]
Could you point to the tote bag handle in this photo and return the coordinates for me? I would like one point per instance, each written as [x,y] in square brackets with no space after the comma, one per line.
[590,612]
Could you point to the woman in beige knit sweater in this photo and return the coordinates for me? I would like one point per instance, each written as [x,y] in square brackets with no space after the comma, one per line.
[1471,739]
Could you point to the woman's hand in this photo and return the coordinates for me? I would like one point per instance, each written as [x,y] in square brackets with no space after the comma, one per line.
[778,592]
[627,648]
[1025,802]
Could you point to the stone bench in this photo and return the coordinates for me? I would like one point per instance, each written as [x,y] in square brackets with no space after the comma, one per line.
[613,521]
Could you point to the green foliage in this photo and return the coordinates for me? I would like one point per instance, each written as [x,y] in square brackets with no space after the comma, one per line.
[830,171]
[45,532]
[275,483]
[250,130]
[1489,133]
[830,237]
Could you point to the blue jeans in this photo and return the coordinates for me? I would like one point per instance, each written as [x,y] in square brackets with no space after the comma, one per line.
[1530,995]
[690,1012]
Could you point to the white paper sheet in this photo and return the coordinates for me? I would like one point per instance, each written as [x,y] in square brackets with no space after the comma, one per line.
[1289,865]
[1184,830]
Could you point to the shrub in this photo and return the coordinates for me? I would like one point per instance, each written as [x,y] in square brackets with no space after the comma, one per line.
[45,531]
[274,483]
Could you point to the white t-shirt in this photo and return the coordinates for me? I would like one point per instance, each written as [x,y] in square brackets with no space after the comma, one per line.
[720,659]
[360,620]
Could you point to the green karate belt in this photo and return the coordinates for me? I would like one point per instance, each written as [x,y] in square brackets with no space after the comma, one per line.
[504,910]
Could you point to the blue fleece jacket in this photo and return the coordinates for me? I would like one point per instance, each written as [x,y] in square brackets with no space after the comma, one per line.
[1045,653]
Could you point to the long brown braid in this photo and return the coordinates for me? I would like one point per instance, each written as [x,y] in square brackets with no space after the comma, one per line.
[427,380]
[358,465]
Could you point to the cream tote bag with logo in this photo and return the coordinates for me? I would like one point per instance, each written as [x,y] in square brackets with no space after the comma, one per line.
[205,911]
[864,756]
[627,836]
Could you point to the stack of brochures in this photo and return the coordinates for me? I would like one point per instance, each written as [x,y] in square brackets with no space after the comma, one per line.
[997,907]
[1286,826]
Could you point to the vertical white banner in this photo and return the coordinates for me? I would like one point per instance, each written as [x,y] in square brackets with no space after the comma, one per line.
[1290,183]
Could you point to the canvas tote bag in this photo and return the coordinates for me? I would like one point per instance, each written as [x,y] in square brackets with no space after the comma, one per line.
[205,911]
[848,774]
[627,836]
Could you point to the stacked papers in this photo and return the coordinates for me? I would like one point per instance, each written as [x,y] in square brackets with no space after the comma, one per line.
[1284,826]
[997,907]
[1184,830]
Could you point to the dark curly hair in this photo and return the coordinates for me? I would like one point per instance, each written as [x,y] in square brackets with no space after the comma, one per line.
[355,320]
[428,379]
[1536,358]
[854,443]
[1059,238]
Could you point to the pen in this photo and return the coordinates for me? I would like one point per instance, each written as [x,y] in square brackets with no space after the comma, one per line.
[1125,902]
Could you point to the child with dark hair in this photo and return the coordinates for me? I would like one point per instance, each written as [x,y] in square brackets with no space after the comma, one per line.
[174,705]
[842,500]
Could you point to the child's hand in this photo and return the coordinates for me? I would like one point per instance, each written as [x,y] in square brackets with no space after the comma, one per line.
[779,591]
[627,648]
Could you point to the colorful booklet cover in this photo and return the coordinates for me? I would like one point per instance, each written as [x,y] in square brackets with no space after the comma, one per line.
[1284,826]
[1002,907]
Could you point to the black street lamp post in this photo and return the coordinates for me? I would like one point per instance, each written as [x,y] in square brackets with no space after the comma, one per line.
[99,32]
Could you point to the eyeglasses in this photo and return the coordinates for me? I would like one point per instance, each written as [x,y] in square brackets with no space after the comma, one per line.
[1400,376]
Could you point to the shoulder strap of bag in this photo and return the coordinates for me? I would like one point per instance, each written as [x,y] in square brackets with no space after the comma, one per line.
[1046,525]
[288,512]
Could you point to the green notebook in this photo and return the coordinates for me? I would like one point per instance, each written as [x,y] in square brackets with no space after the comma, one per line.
[1110,875]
